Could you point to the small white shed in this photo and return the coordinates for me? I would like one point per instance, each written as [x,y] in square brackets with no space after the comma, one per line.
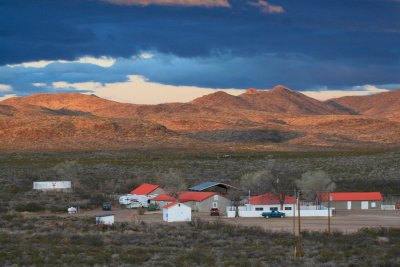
[177,212]
[105,219]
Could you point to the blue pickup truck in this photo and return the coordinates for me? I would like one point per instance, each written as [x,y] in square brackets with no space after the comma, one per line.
[273,214]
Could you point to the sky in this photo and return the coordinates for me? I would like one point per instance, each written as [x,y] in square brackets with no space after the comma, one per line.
[155,51]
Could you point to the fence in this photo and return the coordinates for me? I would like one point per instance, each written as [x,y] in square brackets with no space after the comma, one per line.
[288,213]
[388,207]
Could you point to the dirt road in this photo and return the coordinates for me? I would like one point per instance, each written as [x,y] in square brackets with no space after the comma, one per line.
[343,221]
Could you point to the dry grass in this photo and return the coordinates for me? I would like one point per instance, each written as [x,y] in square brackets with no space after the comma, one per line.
[49,241]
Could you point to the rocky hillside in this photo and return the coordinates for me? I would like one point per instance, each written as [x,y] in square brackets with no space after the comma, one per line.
[378,105]
[285,101]
[255,120]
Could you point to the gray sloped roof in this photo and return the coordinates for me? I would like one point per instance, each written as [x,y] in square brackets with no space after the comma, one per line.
[206,185]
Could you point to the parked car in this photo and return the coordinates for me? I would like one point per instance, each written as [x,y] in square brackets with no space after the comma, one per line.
[214,212]
[273,214]
[106,205]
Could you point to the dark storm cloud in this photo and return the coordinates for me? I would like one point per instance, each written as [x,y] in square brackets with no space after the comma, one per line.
[339,37]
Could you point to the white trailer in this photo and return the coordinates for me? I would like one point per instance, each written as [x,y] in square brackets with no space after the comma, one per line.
[135,201]
[105,219]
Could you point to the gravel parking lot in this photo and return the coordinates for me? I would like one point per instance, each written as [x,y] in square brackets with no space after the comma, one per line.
[343,221]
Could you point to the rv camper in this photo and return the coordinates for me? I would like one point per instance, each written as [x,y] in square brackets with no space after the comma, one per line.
[135,201]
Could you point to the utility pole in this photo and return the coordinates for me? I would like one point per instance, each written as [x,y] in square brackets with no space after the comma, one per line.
[298,250]
[329,213]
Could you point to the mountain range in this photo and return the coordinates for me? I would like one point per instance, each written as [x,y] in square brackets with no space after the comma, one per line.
[277,119]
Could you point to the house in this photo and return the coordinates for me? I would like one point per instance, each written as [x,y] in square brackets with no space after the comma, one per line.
[197,201]
[269,202]
[162,200]
[213,187]
[353,200]
[140,196]
[204,201]
[177,212]
[105,219]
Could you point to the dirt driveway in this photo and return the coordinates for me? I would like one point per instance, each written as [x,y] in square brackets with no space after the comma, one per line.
[343,221]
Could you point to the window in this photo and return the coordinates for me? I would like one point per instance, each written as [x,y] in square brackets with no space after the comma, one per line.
[215,197]
[373,204]
[215,205]
[273,208]
[288,208]
[259,208]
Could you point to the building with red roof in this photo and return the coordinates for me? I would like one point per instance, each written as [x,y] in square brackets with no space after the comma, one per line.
[204,201]
[140,196]
[198,201]
[270,201]
[177,212]
[353,200]
[147,189]
[162,200]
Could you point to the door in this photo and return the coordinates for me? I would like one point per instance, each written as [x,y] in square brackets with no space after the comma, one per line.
[349,205]
[364,205]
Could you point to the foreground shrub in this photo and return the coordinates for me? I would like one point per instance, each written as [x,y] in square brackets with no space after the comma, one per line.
[141,211]
[31,207]
[153,207]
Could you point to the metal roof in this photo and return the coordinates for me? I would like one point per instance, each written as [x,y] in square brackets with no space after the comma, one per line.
[206,185]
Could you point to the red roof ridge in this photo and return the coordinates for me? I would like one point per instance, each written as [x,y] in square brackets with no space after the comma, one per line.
[163,197]
[270,199]
[170,205]
[196,196]
[144,189]
[353,196]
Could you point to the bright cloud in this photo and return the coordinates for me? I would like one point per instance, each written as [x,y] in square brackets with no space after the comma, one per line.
[5,87]
[138,90]
[266,7]
[39,84]
[146,56]
[103,61]
[4,97]
[357,91]
[206,3]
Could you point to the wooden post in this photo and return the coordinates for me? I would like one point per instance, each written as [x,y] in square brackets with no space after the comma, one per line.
[294,212]
[298,251]
[294,225]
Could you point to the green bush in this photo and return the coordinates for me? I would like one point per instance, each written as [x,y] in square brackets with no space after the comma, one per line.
[153,207]
[31,207]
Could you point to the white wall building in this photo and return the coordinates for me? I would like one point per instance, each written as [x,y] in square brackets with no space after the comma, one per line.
[105,219]
[177,212]
[52,185]
[269,202]
[244,212]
